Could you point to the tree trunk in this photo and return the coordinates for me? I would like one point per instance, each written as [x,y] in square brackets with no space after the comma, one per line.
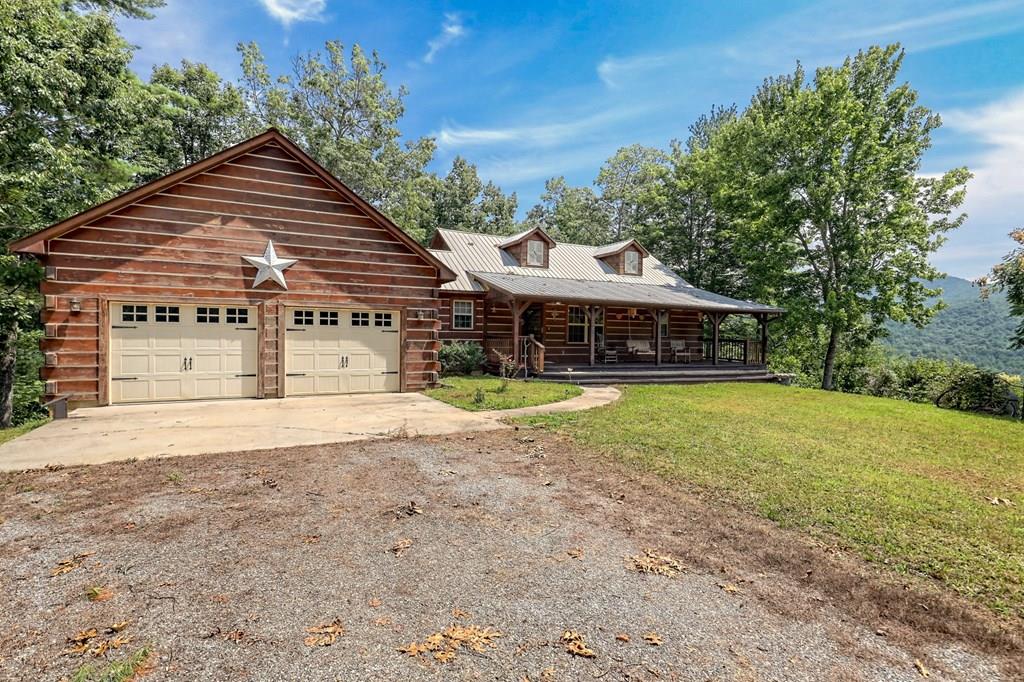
[8,356]
[830,358]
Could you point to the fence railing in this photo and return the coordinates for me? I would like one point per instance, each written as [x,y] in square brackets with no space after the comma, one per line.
[742,351]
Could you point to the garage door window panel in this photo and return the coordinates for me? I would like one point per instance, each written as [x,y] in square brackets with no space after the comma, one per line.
[302,318]
[167,313]
[134,313]
[382,319]
[329,318]
[360,319]
[208,315]
[236,316]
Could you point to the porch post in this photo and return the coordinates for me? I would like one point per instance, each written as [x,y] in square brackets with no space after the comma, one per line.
[657,337]
[592,312]
[764,338]
[716,321]
[515,331]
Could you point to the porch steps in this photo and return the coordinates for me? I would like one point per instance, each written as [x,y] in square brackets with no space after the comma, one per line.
[661,375]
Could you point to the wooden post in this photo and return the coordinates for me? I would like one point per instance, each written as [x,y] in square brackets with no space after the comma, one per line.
[716,321]
[515,331]
[592,311]
[657,337]
[764,338]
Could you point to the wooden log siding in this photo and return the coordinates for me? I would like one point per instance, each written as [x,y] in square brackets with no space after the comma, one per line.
[448,332]
[184,244]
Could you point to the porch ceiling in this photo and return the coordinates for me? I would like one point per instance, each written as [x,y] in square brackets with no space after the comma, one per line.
[615,293]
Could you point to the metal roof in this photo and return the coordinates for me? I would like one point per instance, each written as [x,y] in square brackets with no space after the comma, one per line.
[678,295]
[614,248]
[475,252]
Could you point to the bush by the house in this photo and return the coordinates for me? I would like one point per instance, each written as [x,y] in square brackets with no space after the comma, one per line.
[28,387]
[461,357]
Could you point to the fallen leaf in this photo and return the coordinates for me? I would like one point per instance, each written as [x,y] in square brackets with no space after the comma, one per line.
[651,561]
[575,552]
[401,546]
[311,539]
[443,646]
[653,638]
[117,627]
[459,613]
[622,638]
[99,593]
[67,565]
[375,603]
[576,645]
[325,634]
[921,669]
[729,587]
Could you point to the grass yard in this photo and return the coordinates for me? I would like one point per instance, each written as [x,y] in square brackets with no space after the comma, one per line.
[485,393]
[903,484]
[15,431]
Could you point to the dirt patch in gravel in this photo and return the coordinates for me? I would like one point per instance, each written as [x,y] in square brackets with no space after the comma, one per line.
[506,555]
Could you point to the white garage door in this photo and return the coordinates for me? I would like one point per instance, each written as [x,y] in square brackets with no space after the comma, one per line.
[341,351]
[179,352]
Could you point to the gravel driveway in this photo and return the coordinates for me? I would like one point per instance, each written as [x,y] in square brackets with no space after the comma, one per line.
[220,563]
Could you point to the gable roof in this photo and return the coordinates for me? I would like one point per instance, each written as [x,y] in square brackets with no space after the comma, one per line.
[517,238]
[618,247]
[36,242]
[574,274]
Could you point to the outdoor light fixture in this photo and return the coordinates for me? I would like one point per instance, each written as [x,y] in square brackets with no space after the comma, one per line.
[76,305]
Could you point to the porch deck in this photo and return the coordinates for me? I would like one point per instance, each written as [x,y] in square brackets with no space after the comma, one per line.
[648,373]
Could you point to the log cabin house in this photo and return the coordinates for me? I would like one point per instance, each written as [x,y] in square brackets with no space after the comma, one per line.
[257,274]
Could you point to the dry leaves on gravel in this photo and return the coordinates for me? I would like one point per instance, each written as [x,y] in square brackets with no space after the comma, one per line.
[401,546]
[325,634]
[90,640]
[67,565]
[653,638]
[443,646]
[650,561]
[923,671]
[576,645]
[729,588]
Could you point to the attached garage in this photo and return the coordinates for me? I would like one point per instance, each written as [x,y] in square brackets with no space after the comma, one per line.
[178,352]
[342,351]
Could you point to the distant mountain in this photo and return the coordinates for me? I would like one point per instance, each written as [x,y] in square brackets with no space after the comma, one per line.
[969,329]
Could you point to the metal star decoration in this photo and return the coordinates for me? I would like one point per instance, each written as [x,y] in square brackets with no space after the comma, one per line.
[269,266]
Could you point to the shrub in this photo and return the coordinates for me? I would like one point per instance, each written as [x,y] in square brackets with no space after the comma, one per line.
[28,387]
[461,357]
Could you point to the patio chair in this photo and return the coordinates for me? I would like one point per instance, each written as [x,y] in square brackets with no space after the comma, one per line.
[682,352]
[641,349]
[609,356]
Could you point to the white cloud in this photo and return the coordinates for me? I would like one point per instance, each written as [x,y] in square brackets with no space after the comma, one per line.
[543,135]
[290,11]
[995,202]
[613,70]
[452,30]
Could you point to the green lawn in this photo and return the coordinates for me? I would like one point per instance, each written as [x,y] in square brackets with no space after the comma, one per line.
[900,483]
[462,392]
[14,432]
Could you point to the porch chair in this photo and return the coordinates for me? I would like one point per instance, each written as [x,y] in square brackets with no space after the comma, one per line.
[608,355]
[640,349]
[681,352]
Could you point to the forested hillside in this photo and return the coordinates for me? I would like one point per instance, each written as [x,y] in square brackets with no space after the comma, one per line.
[969,329]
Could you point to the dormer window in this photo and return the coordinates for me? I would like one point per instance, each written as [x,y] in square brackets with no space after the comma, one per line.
[535,253]
[631,265]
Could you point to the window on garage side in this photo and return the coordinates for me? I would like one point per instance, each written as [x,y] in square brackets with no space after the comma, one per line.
[382,319]
[134,313]
[302,318]
[462,314]
[208,315]
[167,313]
[578,325]
[360,319]
[236,315]
[328,318]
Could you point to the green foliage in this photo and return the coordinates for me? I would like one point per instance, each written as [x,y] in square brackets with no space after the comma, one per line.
[114,671]
[460,201]
[625,181]
[902,484]
[1008,277]
[570,214]
[493,393]
[479,397]
[28,387]
[972,327]
[461,357]
[832,216]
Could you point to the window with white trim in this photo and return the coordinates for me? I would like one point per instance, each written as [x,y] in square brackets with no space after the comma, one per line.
[382,319]
[134,313]
[236,315]
[208,315]
[578,325]
[535,253]
[328,318]
[360,319]
[167,313]
[302,318]
[632,262]
[462,314]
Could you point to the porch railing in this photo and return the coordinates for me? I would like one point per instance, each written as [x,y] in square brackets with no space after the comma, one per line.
[742,351]
[532,355]
[497,349]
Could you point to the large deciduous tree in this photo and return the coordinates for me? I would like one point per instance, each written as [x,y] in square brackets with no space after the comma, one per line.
[625,180]
[823,177]
[461,201]
[1008,276]
[67,101]
[571,214]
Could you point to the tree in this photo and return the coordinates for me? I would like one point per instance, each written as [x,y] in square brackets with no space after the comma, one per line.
[823,178]
[67,102]
[460,201]
[1008,276]
[625,180]
[340,109]
[570,214]
[188,114]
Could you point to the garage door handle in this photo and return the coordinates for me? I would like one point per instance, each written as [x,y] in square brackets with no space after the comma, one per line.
[124,378]
[295,329]
[123,326]
[245,329]
[390,331]
[392,372]
[246,375]
[295,374]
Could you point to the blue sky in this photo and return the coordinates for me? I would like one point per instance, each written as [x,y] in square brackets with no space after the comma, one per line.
[531,90]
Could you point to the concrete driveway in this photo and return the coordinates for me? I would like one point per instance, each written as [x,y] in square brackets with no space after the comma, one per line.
[106,434]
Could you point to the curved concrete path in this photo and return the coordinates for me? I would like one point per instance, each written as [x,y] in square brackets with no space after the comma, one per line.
[592,396]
